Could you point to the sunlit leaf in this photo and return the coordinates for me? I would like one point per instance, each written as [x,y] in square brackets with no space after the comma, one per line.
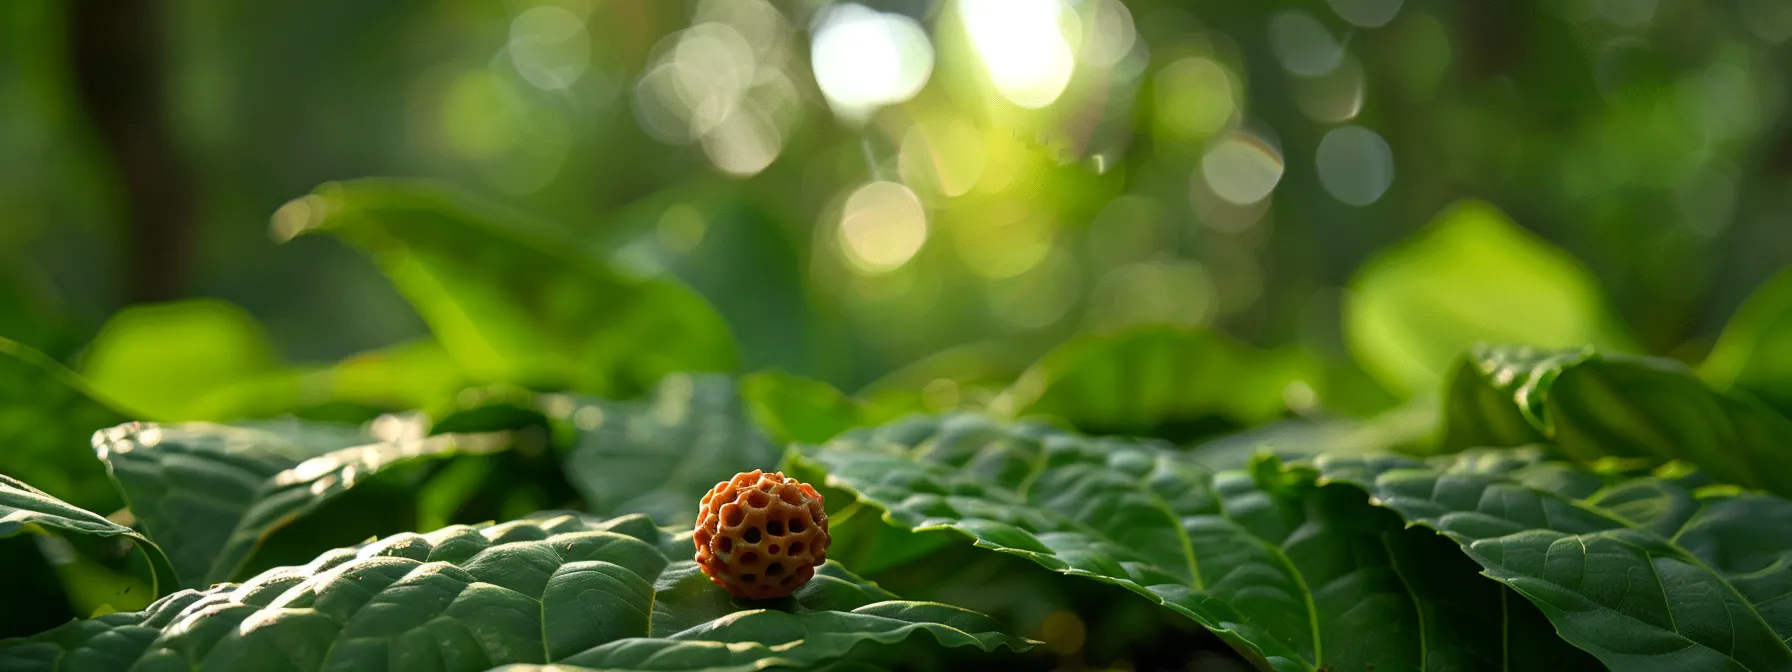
[617,594]
[798,409]
[1632,410]
[1293,575]
[1755,351]
[965,377]
[515,301]
[1645,573]
[22,506]
[1472,275]
[177,361]
[1161,381]
[211,494]
[413,375]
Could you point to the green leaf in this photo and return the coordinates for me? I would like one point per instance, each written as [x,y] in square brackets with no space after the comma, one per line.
[1408,428]
[1472,275]
[22,505]
[211,494]
[1754,353]
[1644,573]
[417,374]
[658,455]
[1293,575]
[964,377]
[171,361]
[1158,381]
[618,594]
[47,419]
[515,301]
[1631,410]
[797,409]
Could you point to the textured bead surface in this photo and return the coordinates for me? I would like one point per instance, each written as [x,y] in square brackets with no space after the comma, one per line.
[761,535]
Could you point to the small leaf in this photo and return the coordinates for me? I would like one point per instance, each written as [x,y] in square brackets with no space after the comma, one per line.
[22,505]
[1633,410]
[1472,275]
[1754,353]
[799,409]
[658,455]
[515,301]
[1158,381]
[552,588]
[170,361]
[47,419]
[1644,573]
[1293,575]
[211,494]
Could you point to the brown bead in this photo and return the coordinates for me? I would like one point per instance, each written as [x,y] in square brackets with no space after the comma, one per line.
[761,535]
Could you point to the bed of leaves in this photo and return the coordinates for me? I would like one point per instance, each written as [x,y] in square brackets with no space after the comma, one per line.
[1158,498]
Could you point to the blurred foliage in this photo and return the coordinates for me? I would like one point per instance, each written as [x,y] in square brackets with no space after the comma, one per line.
[1647,141]
[1470,276]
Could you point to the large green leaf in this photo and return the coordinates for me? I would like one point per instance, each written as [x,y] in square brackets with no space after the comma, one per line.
[1472,275]
[22,505]
[514,301]
[1607,407]
[47,418]
[618,594]
[1645,573]
[1755,351]
[1159,381]
[658,455]
[1293,575]
[211,494]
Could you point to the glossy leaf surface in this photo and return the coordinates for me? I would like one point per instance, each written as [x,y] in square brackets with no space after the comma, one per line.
[1630,410]
[1293,575]
[616,594]
[211,494]
[1645,573]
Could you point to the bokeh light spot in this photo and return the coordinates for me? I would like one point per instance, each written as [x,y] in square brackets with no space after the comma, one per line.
[1195,97]
[744,143]
[1366,13]
[1332,97]
[1022,46]
[1242,168]
[865,59]
[947,157]
[882,226]
[681,228]
[549,47]
[1355,165]
[1302,44]
[475,121]
[1110,35]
